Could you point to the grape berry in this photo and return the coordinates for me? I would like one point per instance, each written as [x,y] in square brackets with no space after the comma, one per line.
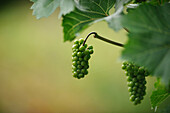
[80,56]
[136,81]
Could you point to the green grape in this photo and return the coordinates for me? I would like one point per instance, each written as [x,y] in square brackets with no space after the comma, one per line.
[136,81]
[86,52]
[76,42]
[80,57]
[74,58]
[82,48]
[79,54]
[90,47]
[91,51]
[83,63]
[81,40]
[85,45]
[132,98]
[74,63]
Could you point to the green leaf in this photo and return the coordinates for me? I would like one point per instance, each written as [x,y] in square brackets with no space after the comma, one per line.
[44,8]
[66,6]
[114,20]
[158,2]
[86,13]
[149,39]
[159,95]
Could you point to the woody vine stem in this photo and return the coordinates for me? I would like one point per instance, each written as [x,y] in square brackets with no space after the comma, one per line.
[103,39]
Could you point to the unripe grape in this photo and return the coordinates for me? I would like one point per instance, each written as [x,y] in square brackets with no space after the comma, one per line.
[86,52]
[78,62]
[90,47]
[74,63]
[74,54]
[135,88]
[75,50]
[132,98]
[76,42]
[130,84]
[86,57]
[91,51]
[75,46]
[78,70]
[123,67]
[130,89]
[74,68]
[75,58]
[80,56]
[80,59]
[129,78]
[83,70]
[81,40]
[82,48]
[75,74]
[83,63]
[79,66]
[80,75]
[136,81]
[85,45]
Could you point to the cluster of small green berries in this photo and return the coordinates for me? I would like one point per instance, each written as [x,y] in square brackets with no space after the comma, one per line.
[80,57]
[136,81]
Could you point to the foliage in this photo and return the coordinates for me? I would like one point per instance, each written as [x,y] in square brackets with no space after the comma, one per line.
[44,8]
[148,26]
[149,39]
[88,12]
[159,95]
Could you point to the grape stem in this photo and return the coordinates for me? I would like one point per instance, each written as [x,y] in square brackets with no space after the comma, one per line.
[103,39]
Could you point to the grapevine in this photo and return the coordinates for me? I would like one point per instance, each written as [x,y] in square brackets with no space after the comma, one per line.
[135,74]
[81,54]
[148,45]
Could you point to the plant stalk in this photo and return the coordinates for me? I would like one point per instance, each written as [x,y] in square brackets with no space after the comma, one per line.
[103,39]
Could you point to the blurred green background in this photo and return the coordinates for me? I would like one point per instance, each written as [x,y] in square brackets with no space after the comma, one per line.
[35,68]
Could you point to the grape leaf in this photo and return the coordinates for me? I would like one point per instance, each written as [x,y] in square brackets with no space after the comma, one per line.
[114,20]
[149,39]
[88,12]
[156,2]
[159,95]
[66,6]
[44,8]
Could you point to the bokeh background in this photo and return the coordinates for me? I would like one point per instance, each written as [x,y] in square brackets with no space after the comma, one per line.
[35,68]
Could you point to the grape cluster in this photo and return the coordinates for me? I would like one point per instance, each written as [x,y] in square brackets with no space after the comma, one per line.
[80,56]
[136,81]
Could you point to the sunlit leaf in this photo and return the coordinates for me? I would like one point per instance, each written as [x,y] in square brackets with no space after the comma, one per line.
[88,12]
[44,8]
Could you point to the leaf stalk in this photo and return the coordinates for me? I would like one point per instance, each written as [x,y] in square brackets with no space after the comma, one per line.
[103,39]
